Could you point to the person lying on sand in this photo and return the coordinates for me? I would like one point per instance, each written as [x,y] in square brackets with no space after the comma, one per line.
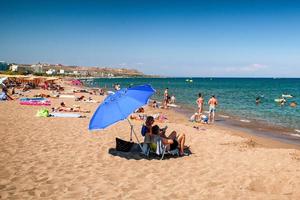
[140,110]
[173,141]
[79,98]
[64,108]
[138,116]
[42,95]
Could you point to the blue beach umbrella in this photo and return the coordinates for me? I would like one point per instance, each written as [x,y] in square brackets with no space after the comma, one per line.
[118,106]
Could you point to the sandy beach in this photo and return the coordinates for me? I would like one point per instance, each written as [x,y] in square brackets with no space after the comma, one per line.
[58,158]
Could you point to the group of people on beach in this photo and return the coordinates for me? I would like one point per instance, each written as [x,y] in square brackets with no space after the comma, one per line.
[212,103]
[198,116]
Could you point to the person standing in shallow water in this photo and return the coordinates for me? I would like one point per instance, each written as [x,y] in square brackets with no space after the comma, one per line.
[200,102]
[213,102]
[166,95]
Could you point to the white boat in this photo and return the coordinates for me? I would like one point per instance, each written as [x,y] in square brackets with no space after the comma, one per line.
[280,100]
[286,96]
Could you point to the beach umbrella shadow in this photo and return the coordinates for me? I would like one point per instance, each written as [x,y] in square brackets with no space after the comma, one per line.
[135,154]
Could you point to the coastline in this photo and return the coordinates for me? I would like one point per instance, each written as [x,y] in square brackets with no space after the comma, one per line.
[58,158]
[252,128]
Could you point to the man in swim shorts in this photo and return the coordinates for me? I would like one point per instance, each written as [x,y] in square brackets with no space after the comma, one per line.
[213,102]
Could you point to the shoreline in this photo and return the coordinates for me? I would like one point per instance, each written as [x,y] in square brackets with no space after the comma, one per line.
[249,128]
[252,128]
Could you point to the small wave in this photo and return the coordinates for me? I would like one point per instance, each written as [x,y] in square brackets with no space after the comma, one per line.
[297,130]
[224,116]
[295,134]
[245,120]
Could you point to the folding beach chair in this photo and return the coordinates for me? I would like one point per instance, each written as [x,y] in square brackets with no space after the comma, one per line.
[159,149]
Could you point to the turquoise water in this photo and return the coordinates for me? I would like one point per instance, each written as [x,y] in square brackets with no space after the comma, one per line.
[236,96]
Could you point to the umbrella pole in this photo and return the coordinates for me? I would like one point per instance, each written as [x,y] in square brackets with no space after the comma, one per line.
[132,131]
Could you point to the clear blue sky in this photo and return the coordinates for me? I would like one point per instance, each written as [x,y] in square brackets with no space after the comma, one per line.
[174,38]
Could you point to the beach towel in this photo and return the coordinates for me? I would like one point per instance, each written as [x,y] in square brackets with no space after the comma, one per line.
[36,103]
[67,96]
[66,115]
[33,99]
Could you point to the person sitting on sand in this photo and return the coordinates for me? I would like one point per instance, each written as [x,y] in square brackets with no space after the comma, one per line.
[203,119]
[199,118]
[173,141]
[101,92]
[5,95]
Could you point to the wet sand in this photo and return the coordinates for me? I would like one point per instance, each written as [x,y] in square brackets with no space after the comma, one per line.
[254,128]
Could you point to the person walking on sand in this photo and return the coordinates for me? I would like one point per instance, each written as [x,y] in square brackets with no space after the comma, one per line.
[213,102]
[166,95]
[200,102]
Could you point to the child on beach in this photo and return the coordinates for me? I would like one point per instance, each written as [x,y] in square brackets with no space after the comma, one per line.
[173,99]
[199,118]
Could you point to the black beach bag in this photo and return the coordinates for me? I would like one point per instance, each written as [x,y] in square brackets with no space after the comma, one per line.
[122,145]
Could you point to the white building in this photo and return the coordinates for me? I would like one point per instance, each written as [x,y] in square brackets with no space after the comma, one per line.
[38,68]
[50,71]
[61,71]
[14,68]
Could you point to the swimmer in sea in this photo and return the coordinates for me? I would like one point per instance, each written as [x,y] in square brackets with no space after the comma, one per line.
[257,100]
[293,104]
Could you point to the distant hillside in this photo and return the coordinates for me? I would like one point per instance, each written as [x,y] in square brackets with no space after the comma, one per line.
[84,71]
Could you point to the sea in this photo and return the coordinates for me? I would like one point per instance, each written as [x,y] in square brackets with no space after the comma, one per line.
[237,100]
